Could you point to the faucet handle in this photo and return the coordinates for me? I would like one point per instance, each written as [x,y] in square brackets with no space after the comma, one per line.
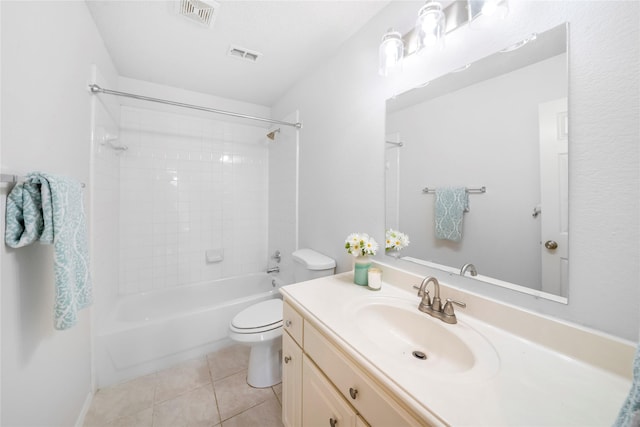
[448,306]
[423,293]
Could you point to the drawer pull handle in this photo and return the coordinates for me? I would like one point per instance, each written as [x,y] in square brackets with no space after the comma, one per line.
[353,392]
[333,422]
[287,323]
[287,359]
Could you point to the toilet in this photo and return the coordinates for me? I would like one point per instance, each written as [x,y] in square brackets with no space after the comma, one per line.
[310,264]
[260,325]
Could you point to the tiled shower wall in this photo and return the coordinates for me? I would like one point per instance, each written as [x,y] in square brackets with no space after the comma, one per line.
[190,185]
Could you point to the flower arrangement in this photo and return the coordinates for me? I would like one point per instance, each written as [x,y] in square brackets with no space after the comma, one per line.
[396,240]
[360,244]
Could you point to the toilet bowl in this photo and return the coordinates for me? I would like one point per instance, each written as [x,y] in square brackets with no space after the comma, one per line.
[260,326]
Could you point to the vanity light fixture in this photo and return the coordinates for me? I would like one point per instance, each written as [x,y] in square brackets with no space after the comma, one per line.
[430,26]
[391,52]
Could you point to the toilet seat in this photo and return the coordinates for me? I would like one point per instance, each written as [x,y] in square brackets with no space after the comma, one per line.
[261,317]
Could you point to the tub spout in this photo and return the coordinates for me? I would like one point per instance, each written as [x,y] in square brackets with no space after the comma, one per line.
[275,269]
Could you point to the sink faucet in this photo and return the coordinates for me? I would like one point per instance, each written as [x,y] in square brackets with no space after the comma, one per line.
[434,307]
[470,268]
[426,305]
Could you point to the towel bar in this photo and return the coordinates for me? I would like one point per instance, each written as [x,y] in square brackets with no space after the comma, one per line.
[480,190]
[5,177]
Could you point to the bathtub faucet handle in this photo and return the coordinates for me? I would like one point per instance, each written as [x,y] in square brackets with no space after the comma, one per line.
[277,256]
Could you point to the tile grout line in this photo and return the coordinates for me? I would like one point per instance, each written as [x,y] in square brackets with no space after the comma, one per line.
[215,395]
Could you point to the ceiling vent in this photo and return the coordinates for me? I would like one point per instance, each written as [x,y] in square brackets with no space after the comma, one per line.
[202,12]
[242,53]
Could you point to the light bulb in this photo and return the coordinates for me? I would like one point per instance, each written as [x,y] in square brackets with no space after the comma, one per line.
[430,26]
[391,52]
[490,8]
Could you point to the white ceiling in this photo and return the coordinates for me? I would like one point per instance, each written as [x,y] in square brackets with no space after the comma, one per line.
[148,40]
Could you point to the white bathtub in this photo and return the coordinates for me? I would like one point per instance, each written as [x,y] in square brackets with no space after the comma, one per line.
[152,331]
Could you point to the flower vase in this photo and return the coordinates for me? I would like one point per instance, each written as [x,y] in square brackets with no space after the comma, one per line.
[394,253]
[361,270]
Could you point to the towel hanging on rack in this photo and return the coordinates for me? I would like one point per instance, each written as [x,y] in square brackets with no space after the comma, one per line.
[48,209]
[450,205]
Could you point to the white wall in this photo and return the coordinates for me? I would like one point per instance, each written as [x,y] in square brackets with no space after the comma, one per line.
[342,106]
[47,51]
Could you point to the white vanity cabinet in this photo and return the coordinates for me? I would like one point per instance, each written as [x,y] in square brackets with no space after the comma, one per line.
[321,386]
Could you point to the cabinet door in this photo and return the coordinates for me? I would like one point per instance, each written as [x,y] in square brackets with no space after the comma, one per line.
[322,406]
[291,382]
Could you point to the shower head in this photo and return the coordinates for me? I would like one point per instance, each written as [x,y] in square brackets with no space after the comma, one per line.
[272,135]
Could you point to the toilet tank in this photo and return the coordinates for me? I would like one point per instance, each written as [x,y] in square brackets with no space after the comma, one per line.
[310,264]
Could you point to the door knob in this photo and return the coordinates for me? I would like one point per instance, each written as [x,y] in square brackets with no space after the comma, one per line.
[550,244]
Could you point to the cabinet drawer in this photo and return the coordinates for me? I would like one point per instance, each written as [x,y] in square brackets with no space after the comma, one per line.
[375,405]
[292,322]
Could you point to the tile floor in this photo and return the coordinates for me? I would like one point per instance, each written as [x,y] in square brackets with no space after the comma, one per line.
[208,391]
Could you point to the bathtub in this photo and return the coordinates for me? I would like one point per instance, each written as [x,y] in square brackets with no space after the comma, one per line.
[152,331]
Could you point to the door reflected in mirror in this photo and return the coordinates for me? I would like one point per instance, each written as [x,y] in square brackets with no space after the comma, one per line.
[499,123]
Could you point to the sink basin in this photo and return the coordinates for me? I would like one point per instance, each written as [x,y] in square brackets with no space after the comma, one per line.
[394,329]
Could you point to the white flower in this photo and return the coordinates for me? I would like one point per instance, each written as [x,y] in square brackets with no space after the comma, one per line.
[360,244]
[396,240]
[353,238]
[371,246]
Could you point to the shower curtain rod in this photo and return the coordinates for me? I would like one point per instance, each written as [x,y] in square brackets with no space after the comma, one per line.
[94,88]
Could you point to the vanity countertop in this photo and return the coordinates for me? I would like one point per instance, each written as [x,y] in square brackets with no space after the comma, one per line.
[531,383]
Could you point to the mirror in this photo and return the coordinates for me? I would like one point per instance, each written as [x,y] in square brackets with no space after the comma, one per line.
[499,124]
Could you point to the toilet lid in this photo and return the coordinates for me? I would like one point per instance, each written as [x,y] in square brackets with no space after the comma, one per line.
[262,314]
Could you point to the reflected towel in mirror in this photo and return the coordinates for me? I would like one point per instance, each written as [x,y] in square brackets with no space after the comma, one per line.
[450,205]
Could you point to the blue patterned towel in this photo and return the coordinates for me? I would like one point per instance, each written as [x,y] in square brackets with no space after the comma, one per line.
[629,415]
[451,203]
[48,209]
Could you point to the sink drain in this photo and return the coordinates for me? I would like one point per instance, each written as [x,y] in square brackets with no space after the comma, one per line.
[419,355]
